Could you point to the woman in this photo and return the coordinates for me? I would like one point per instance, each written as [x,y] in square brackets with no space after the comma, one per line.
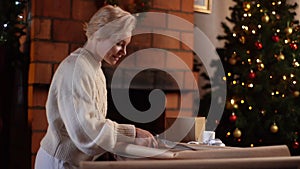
[77,103]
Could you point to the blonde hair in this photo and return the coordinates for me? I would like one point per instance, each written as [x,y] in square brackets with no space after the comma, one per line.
[110,21]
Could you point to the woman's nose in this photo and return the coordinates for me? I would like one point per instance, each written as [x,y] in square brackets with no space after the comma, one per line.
[123,51]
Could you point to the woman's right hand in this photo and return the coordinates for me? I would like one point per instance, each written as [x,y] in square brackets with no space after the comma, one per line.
[145,138]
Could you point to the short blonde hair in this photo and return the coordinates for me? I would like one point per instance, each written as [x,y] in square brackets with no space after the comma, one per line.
[110,21]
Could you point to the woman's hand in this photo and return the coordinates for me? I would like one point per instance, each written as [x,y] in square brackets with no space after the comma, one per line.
[145,138]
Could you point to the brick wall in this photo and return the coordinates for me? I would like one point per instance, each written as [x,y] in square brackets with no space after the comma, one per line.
[56,30]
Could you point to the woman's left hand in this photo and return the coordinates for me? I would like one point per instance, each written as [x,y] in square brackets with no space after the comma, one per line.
[145,138]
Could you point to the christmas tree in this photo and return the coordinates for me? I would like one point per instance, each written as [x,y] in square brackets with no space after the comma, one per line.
[261,62]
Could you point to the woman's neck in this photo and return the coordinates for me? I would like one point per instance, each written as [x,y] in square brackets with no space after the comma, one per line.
[90,46]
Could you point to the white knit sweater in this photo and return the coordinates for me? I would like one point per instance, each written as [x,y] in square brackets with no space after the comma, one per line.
[76,110]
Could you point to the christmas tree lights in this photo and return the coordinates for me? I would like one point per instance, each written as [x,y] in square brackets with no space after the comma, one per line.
[261,61]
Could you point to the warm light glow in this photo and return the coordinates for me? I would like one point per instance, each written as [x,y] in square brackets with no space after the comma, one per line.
[282,95]
[258,5]
[271,76]
[234,82]
[232,101]
[251,85]
[245,15]
[253,31]
[228,134]
[252,145]
[5,25]
[234,34]
[243,84]
[274,12]
[224,78]
[272,93]
[259,26]
[277,92]
[250,107]
[292,75]
[284,77]
[286,41]
[294,82]
[278,30]
[235,106]
[245,27]
[279,2]
[228,74]
[273,3]
[242,101]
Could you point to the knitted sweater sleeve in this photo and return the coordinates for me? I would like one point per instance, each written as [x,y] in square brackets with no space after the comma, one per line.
[85,122]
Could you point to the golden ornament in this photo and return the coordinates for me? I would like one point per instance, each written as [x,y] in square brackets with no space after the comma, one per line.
[237,133]
[247,6]
[242,39]
[288,30]
[232,61]
[265,18]
[280,57]
[274,128]
[260,66]
[296,93]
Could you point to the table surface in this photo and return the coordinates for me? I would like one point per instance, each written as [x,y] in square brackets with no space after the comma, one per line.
[229,163]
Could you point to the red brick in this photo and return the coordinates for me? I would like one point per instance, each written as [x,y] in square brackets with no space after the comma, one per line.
[186,57]
[153,20]
[68,31]
[55,66]
[33,161]
[175,113]
[36,140]
[187,100]
[181,21]
[39,119]
[151,59]
[141,41]
[191,80]
[166,39]
[187,5]
[187,41]
[37,96]
[50,8]
[48,51]
[75,46]
[178,76]
[83,9]
[40,28]
[40,73]
[163,4]
[172,101]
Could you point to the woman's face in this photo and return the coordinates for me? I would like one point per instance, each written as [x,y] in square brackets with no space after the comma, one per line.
[117,51]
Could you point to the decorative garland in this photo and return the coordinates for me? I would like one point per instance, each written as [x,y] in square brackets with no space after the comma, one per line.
[137,6]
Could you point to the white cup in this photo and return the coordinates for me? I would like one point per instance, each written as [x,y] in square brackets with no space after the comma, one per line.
[207,136]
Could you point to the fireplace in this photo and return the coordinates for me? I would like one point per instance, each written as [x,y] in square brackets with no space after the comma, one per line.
[140,88]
